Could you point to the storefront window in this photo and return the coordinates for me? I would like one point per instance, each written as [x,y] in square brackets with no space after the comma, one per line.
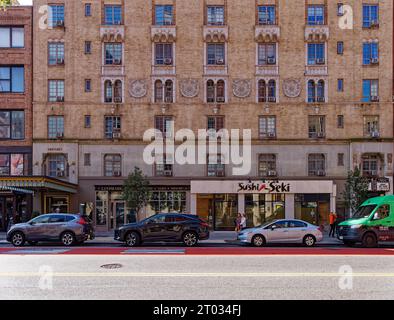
[166,201]
[101,208]
[57,204]
[261,208]
[312,208]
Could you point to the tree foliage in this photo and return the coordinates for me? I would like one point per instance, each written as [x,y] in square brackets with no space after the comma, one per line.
[356,189]
[6,3]
[136,190]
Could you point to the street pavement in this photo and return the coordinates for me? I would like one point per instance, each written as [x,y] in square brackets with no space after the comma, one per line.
[192,277]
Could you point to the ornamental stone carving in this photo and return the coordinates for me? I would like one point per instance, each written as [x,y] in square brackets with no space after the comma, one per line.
[292,88]
[138,88]
[189,88]
[242,88]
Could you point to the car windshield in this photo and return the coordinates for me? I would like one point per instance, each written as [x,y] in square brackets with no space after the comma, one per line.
[266,224]
[364,211]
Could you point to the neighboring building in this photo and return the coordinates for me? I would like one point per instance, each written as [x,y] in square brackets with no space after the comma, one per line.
[317,97]
[15,113]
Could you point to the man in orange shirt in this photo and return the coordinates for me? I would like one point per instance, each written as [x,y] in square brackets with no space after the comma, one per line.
[333,220]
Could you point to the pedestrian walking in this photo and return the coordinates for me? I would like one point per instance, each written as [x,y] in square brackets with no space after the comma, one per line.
[333,219]
[243,221]
[237,222]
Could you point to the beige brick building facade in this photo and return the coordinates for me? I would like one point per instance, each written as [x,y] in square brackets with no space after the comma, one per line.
[315,90]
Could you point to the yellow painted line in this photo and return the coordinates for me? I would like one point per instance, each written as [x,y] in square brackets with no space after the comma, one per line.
[197,274]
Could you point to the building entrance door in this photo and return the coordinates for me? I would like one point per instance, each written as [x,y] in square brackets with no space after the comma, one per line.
[118,218]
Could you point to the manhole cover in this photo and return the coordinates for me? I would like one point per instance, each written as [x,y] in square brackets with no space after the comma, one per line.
[111,266]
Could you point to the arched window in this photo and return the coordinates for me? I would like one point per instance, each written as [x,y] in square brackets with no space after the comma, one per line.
[262,91]
[272,91]
[311,91]
[108,91]
[320,91]
[220,91]
[112,165]
[168,91]
[118,91]
[158,91]
[210,91]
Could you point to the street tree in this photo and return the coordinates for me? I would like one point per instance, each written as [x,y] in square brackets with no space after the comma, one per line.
[356,190]
[6,3]
[136,190]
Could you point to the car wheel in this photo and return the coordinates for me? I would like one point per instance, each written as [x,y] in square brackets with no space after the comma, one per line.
[190,239]
[258,240]
[349,243]
[18,239]
[369,241]
[132,239]
[32,243]
[67,238]
[309,240]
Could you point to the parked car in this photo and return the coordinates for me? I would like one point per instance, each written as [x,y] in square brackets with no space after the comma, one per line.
[282,231]
[69,229]
[165,227]
[372,223]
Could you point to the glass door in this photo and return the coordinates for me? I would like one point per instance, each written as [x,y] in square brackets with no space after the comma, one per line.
[119,210]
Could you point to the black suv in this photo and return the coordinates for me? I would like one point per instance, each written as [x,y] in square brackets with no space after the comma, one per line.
[169,227]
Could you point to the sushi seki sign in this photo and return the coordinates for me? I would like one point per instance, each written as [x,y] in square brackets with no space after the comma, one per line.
[264,187]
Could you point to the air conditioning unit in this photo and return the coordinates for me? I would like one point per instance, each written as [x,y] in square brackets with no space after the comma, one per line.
[374,98]
[168,99]
[168,173]
[271,134]
[117,61]
[321,99]
[271,99]
[60,99]
[320,61]
[321,173]
[220,61]
[60,174]
[60,135]
[374,61]
[220,173]
[119,22]
[118,99]
[375,134]
[271,60]
[321,135]
[272,173]
[117,173]
[374,172]
[374,23]
[60,23]
[60,61]
[168,61]
[263,21]
[220,99]
[116,135]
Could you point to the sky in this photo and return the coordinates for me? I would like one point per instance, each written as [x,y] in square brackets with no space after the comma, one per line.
[25,2]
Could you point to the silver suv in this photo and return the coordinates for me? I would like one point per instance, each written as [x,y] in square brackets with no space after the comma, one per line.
[69,229]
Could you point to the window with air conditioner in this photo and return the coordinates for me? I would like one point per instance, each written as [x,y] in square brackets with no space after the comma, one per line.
[266,15]
[164,15]
[317,127]
[370,15]
[267,165]
[216,54]
[113,53]
[56,16]
[112,126]
[370,53]
[215,15]
[267,127]
[316,165]
[215,166]
[316,15]
[55,127]
[316,54]
[163,54]
[112,165]
[56,91]
[113,15]
[370,90]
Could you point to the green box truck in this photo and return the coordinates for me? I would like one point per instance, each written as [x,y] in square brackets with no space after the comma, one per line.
[373,222]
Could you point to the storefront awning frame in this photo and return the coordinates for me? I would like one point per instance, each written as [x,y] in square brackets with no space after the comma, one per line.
[35,183]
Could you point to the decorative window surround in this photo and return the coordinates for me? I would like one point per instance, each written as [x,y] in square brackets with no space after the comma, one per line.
[163,33]
[112,70]
[267,70]
[163,80]
[112,79]
[215,33]
[164,70]
[113,33]
[317,33]
[215,80]
[219,70]
[267,33]
[316,80]
[267,79]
